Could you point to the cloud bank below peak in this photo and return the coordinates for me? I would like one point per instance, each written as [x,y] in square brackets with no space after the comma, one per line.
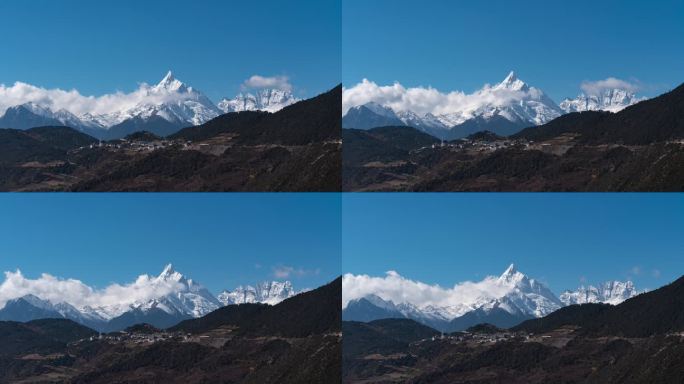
[400,289]
[78,104]
[79,294]
[429,100]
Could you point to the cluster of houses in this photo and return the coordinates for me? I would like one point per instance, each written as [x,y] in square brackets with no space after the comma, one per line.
[477,145]
[479,338]
[137,338]
[136,145]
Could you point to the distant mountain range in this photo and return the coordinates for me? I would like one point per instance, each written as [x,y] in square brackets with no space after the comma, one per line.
[162,109]
[511,298]
[504,109]
[187,300]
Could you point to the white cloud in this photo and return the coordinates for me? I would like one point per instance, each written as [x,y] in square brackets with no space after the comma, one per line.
[422,100]
[285,272]
[598,87]
[74,102]
[655,273]
[75,292]
[278,82]
[399,289]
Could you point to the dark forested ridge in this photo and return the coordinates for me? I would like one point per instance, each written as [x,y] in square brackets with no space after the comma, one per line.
[39,336]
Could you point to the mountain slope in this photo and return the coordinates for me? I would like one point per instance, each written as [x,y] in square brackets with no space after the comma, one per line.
[313,312]
[368,309]
[21,117]
[369,116]
[652,313]
[27,308]
[308,121]
[385,337]
[654,120]
[382,144]
[39,336]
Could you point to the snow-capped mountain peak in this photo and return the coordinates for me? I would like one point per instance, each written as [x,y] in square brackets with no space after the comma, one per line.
[512,82]
[511,275]
[170,83]
[169,273]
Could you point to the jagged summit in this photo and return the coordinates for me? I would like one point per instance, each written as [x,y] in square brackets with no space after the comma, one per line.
[512,275]
[510,270]
[169,273]
[512,82]
[510,78]
[170,83]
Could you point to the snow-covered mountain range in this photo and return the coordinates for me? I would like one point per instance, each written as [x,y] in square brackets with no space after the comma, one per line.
[269,292]
[504,301]
[505,108]
[163,109]
[175,298]
[269,100]
[611,100]
[610,292]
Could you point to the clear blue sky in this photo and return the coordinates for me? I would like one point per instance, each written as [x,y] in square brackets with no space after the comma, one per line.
[553,45]
[557,238]
[214,45]
[220,240]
